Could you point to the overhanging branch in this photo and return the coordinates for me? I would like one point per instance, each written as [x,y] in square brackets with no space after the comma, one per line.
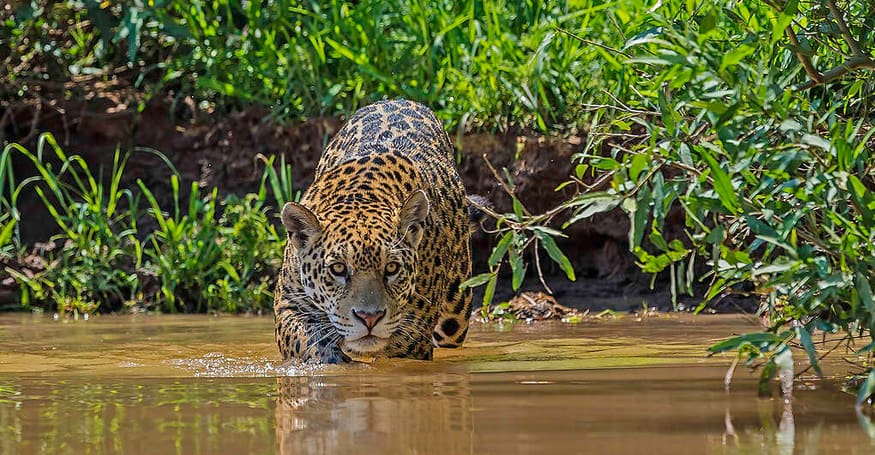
[860,58]
[857,62]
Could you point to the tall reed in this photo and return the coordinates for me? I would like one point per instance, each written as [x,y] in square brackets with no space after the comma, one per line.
[204,254]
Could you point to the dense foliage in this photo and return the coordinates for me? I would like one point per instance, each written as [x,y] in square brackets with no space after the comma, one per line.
[722,113]
[488,64]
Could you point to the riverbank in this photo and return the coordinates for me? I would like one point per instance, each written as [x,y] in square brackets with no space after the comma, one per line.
[226,154]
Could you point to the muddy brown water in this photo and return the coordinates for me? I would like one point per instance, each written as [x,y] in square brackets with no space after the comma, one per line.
[201,384]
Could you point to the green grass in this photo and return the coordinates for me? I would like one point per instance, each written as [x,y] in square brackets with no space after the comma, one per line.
[491,65]
[205,254]
[7,215]
[546,66]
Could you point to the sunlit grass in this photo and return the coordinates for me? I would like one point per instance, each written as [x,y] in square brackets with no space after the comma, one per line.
[205,253]
[492,65]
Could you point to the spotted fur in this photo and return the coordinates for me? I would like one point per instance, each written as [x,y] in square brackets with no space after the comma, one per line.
[381,235]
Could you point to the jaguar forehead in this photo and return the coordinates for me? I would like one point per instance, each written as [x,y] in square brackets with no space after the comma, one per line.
[364,244]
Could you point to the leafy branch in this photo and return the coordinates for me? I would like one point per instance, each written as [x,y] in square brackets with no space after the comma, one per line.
[860,56]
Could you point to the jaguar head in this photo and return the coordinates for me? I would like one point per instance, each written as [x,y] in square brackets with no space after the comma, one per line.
[359,268]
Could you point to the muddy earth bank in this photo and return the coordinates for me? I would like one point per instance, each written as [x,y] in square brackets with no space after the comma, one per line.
[223,151]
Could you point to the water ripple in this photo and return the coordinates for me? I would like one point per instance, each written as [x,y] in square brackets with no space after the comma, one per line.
[218,365]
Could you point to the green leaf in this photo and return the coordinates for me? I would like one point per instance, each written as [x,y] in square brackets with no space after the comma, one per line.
[784,20]
[500,249]
[675,252]
[562,185]
[758,339]
[711,106]
[709,22]
[341,50]
[734,56]
[518,269]
[647,36]
[133,23]
[667,112]
[805,338]
[662,201]
[722,182]
[589,204]
[604,163]
[517,208]
[638,214]
[778,267]
[6,232]
[477,280]
[556,255]
[489,293]
[684,155]
[863,200]
[816,141]
[865,293]
[639,162]
[222,88]
[229,269]
[657,239]
[866,389]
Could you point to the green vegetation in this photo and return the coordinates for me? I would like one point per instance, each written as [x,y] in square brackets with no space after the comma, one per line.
[721,113]
[205,254]
[750,120]
[482,64]
[7,218]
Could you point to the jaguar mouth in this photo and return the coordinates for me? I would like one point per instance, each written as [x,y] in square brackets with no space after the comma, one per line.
[366,345]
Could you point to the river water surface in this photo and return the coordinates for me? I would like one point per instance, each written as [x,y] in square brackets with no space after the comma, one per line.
[202,384]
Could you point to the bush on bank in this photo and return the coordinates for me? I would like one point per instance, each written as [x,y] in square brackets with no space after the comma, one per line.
[754,120]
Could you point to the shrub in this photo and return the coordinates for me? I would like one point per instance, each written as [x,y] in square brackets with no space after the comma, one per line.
[724,116]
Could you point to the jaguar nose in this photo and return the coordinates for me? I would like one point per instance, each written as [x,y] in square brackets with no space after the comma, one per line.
[369,319]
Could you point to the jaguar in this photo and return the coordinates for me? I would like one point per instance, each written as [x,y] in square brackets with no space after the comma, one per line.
[378,244]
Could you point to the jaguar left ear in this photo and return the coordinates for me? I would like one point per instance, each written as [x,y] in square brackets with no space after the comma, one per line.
[412,216]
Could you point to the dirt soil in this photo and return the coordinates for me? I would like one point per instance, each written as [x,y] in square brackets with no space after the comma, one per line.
[223,151]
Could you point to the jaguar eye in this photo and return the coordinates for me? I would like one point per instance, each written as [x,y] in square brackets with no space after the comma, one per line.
[392,268]
[338,269]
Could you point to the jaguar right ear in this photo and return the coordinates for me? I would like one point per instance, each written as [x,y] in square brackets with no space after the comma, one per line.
[412,215]
[300,222]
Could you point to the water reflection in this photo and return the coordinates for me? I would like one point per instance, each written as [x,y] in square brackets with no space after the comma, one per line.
[377,411]
[420,414]
[135,417]
[775,430]
[207,385]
